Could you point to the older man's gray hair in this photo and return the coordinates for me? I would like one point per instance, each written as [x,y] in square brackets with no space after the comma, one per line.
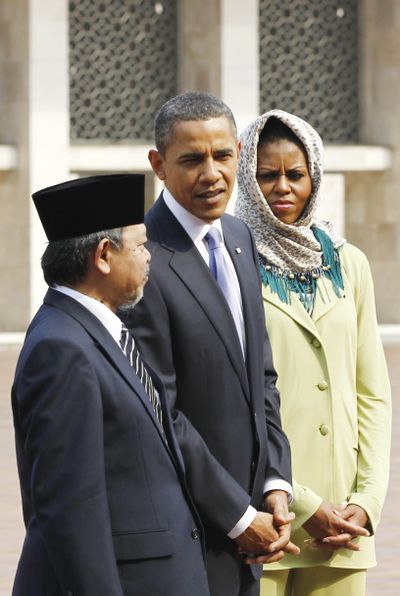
[65,262]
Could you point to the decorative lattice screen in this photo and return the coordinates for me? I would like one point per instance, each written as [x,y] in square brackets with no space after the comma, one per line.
[122,67]
[309,63]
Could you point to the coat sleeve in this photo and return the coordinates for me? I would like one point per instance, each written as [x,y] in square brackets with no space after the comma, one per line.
[373,401]
[218,497]
[305,503]
[279,457]
[59,424]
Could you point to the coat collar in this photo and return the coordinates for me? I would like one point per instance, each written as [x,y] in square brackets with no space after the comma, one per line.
[325,300]
[190,267]
[106,344]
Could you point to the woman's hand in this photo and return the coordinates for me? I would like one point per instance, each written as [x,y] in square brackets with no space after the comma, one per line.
[336,527]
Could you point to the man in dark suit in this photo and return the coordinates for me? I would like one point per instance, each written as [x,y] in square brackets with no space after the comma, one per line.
[104,494]
[207,339]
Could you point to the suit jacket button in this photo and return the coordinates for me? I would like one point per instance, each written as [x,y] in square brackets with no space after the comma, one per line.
[253,466]
[322,385]
[195,534]
[324,429]
[316,343]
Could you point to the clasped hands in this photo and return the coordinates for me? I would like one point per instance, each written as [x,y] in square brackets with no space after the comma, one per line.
[336,526]
[267,539]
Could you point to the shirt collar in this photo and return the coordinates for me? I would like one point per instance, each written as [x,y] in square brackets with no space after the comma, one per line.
[195,228]
[105,315]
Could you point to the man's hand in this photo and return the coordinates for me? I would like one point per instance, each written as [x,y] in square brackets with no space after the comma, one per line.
[264,542]
[276,503]
[336,527]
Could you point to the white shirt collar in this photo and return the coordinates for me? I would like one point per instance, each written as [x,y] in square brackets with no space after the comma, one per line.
[105,315]
[193,226]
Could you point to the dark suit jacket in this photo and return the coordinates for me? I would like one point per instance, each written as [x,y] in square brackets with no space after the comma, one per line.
[186,331]
[105,501]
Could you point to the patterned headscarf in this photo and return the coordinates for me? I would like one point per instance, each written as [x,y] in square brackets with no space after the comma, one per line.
[292,248]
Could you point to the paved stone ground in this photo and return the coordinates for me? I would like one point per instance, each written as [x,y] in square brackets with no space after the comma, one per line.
[383,580]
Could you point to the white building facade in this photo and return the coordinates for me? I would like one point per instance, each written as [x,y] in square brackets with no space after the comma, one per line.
[80,82]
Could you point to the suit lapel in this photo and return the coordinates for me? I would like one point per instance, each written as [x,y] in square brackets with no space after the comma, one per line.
[325,300]
[106,344]
[189,266]
[248,282]
[295,309]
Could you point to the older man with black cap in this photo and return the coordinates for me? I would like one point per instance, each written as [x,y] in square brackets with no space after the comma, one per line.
[104,498]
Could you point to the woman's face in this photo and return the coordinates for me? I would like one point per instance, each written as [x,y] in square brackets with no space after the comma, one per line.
[283,177]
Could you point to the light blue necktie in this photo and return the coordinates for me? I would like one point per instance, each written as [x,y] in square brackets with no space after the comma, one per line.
[220,270]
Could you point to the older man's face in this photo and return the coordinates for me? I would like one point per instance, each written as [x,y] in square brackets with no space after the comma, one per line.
[130,267]
[199,166]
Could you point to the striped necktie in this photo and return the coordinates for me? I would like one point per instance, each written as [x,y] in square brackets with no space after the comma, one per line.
[130,350]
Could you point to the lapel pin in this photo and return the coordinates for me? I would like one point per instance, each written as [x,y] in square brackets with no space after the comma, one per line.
[238,250]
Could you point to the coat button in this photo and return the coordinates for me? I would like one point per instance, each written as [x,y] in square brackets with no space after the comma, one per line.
[253,466]
[316,343]
[195,534]
[322,385]
[324,429]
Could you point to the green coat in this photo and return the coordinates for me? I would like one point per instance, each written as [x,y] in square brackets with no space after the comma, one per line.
[335,404]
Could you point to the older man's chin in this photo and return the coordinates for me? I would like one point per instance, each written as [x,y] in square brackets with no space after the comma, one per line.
[132,303]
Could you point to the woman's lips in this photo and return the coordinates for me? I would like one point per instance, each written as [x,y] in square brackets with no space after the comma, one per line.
[282,205]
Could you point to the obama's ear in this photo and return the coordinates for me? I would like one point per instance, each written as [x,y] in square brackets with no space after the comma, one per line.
[157,163]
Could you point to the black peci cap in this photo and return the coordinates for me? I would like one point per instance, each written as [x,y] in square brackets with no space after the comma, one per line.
[92,204]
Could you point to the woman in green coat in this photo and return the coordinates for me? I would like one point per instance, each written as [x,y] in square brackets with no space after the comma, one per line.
[335,395]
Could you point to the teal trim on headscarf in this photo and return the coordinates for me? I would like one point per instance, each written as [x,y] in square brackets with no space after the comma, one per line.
[282,282]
